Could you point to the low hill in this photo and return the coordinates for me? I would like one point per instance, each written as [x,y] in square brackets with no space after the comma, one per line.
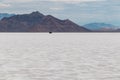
[100,27]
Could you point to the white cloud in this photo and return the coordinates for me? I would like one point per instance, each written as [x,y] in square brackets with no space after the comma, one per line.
[57,8]
[2,5]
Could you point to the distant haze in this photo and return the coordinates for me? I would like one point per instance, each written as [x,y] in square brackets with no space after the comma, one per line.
[2,15]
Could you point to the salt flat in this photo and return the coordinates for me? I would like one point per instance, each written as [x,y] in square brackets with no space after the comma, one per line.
[60,56]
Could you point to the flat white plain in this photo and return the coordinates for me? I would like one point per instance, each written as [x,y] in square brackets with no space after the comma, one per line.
[60,56]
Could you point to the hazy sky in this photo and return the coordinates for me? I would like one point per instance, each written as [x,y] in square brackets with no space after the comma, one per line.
[79,11]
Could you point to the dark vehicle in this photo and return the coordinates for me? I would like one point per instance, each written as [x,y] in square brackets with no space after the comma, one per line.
[50,32]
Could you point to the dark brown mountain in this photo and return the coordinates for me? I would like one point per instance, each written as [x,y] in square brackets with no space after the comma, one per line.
[37,22]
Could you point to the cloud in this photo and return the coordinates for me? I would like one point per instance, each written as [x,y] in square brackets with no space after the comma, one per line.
[57,8]
[9,1]
[75,1]
[2,5]
[62,1]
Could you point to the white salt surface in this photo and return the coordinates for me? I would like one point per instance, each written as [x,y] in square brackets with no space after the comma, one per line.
[60,56]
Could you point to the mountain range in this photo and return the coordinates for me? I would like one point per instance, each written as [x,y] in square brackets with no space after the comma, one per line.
[38,22]
[101,27]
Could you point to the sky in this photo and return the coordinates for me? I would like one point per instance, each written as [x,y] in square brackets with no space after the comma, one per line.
[79,11]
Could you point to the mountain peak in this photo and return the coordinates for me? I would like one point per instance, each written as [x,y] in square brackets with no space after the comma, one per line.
[50,17]
[37,13]
[67,20]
